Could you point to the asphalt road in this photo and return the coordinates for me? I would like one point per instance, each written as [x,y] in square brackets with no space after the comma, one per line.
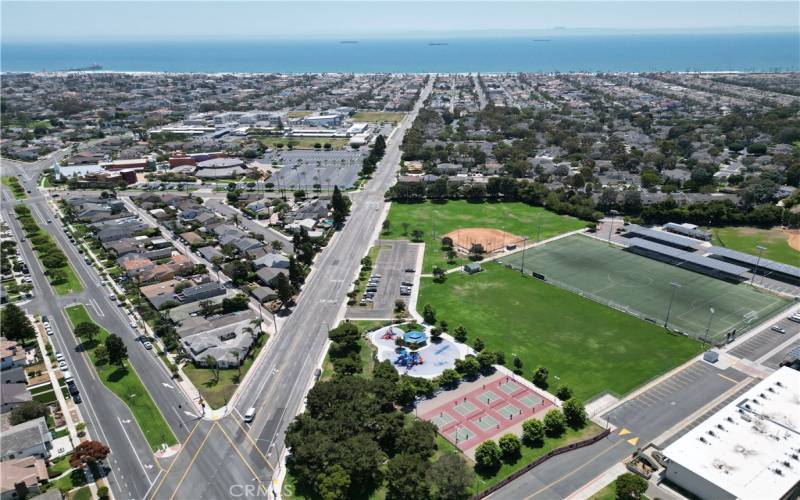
[277,382]
[134,468]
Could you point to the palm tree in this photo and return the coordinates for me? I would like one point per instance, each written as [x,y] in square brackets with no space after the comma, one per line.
[238,365]
[211,362]
[235,219]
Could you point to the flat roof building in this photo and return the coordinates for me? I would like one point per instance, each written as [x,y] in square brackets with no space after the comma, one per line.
[748,449]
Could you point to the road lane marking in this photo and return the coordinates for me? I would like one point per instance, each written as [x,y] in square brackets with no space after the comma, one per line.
[255,445]
[624,431]
[633,441]
[238,452]
[174,460]
[191,463]
[728,378]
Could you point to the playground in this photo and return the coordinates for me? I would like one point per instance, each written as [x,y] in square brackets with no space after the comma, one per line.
[484,409]
[417,357]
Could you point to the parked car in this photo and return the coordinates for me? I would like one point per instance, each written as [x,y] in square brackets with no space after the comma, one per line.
[778,328]
[147,345]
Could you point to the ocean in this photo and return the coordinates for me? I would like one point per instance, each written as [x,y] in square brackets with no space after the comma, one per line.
[673,52]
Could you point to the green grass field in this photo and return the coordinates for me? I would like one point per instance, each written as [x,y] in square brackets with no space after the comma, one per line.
[124,382]
[377,116]
[12,183]
[590,347]
[437,219]
[304,142]
[642,286]
[745,239]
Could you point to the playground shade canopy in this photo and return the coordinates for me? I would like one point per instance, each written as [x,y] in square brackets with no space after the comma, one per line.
[415,337]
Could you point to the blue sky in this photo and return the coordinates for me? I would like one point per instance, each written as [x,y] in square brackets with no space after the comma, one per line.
[65,20]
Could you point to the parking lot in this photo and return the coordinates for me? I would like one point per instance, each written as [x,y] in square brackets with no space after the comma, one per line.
[304,168]
[667,403]
[395,265]
[762,343]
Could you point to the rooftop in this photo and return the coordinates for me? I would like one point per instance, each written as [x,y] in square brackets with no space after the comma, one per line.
[745,447]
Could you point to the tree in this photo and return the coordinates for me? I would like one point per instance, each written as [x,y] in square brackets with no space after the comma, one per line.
[451,477]
[486,361]
[238,271]
[478,344]
[87,329]
[419,438]
[345,335]
[510,447]
[296,274]
[28,410]
[449,378]
[406,479]
[487,455]
[533,432]
[468,367]
[517,365]
[333,483]
[429,314]
[88,452]
[564,393]
[284,290]
[439,275]
[101,354]
[340,206]
[540,377]
[211,362]
[117,351]
[460,334]
[554,423]
[15,325]
[476,251]
[574,413]
[405,394]
[630,485]
[417,235]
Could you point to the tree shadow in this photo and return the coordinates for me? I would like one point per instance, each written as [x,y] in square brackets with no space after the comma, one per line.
[118,374]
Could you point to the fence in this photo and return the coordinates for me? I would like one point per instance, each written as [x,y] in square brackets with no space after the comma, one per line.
[558,451]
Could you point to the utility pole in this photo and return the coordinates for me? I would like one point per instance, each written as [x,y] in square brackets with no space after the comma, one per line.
[675,287]
[524,244]
[758,261]
[611,226]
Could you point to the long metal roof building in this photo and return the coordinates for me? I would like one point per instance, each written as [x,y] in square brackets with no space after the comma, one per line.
[752,261]
[663,237]
[690,257]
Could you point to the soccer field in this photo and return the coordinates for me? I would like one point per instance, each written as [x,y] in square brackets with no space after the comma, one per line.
[641,286]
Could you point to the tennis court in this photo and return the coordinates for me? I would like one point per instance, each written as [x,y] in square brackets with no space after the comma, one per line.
[642,287]
[483,409]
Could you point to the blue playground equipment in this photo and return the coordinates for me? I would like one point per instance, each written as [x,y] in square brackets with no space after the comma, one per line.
[407,358]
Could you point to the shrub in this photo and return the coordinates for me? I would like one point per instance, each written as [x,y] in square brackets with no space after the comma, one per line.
[487,455]
[510,447]
[533,432]
[554,423]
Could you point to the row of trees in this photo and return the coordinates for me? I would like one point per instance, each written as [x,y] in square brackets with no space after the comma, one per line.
[50,255]
[370,163]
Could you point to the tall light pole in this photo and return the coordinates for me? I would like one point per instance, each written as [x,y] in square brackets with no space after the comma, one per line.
[675,287]
[524,244]
[708,325]
[758,261]
[611,226]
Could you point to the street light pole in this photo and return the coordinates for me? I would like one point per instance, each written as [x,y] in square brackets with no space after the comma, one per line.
[708,325]
[524,244]
[675,287]
[758,261]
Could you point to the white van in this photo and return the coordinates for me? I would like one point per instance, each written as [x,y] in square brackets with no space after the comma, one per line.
[250,415]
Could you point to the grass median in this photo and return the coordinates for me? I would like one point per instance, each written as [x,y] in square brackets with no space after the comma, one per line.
[124,382]
[12,183]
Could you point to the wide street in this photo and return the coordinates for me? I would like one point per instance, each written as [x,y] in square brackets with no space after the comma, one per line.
[134,468]
[210,464]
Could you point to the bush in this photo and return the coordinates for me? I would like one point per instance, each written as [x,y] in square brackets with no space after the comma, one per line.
[564,393]
[487,456]
[510,447]
[574,413]
[630,486]
[102,492]
[554,423]
[533,432]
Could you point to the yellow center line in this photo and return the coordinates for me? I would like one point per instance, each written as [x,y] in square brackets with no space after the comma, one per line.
[255,445]
[191,462]
[246,462]
[175,459]
[574,471]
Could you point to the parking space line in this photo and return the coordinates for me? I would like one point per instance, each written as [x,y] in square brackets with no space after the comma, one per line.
[728,378]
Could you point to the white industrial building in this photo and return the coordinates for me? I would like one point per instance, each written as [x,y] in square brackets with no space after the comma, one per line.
[748,449]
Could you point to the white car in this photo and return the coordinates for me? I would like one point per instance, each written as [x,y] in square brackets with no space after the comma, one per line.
[59,356]
[62,365]
[147,345]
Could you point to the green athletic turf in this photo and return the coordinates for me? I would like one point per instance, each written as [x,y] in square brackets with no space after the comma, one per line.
[437,219]
[641,286]
[745,239]
[590,347]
